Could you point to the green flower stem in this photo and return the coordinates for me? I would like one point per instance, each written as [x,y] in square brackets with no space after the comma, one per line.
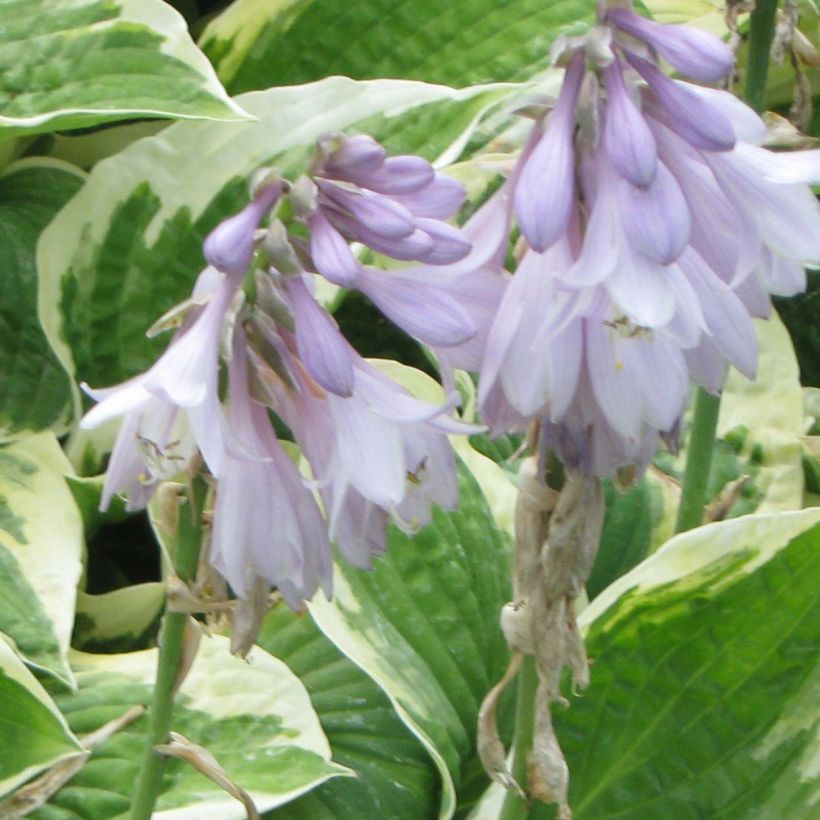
[698,461]
[186,558]
[707,407]
[761,34]
[514,807]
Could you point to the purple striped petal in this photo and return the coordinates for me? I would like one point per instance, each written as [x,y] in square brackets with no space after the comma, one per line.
[656,219]
[694,53]
[409,248]
[746,123]
[700,123]
[370,451]
[627,139]
[439,200]
[545,191]
[406,174]
[321,346]
[421,309]
[641,289]
[449,244]
[355,154]
[330,252]
[732,329]
[382,215]
[230,245]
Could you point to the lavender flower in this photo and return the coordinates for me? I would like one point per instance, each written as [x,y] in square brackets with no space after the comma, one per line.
[375,452]
[393,205]
[655,228]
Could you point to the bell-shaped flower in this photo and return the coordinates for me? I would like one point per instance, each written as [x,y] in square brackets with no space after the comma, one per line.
[266,521]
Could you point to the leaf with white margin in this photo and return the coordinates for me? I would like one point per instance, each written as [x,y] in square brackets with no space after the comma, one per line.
[704,679]
[117,619]
[129,245]
[34,391]
[41,543]
[35,734]
[771,408]
[394,773]
[424,626]
[75,63]
[254,716]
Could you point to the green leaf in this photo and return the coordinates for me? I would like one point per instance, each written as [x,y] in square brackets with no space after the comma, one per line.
[74,63]
[129,245]
[254,717]
[395,775]
[117,619]
[41,542]
[34,389]
[35,735]
[256,44]
[424,626]
[703,699]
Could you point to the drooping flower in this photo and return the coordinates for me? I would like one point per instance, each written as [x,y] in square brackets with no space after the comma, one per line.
[655,228]
[375,452]
[393,205]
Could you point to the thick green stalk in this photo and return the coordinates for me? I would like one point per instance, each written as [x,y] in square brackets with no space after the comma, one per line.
[698,461]
[186,557]
[761,34]
[514,807]
[707,407]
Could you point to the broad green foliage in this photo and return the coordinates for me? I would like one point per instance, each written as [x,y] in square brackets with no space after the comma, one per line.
[75,63]
[40,549]
[117,618]
[705,674]
[771,409]
[395,775]
[34,389]
[34,733]
[254,717]
[424,626]
[256,44]
[129,245]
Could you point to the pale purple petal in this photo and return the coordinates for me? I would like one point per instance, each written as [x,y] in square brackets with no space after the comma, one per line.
[449,244]
[781,167]
[655,219]
[421,309]
[114,401]
[627,139]
[728,320]
[640,288]
[439,200]
[746,123]
[611,373]
[782,277]
[382,215]
[330,252]
[370,451]
[230,246]
[697,121]
[694,53]
[355,154]
[321,346]
[788,216]
[404,174]
[544,194]
[706,365]
[409,248]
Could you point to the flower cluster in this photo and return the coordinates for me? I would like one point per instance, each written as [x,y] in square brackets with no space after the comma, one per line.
[375,452]
[655,226]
